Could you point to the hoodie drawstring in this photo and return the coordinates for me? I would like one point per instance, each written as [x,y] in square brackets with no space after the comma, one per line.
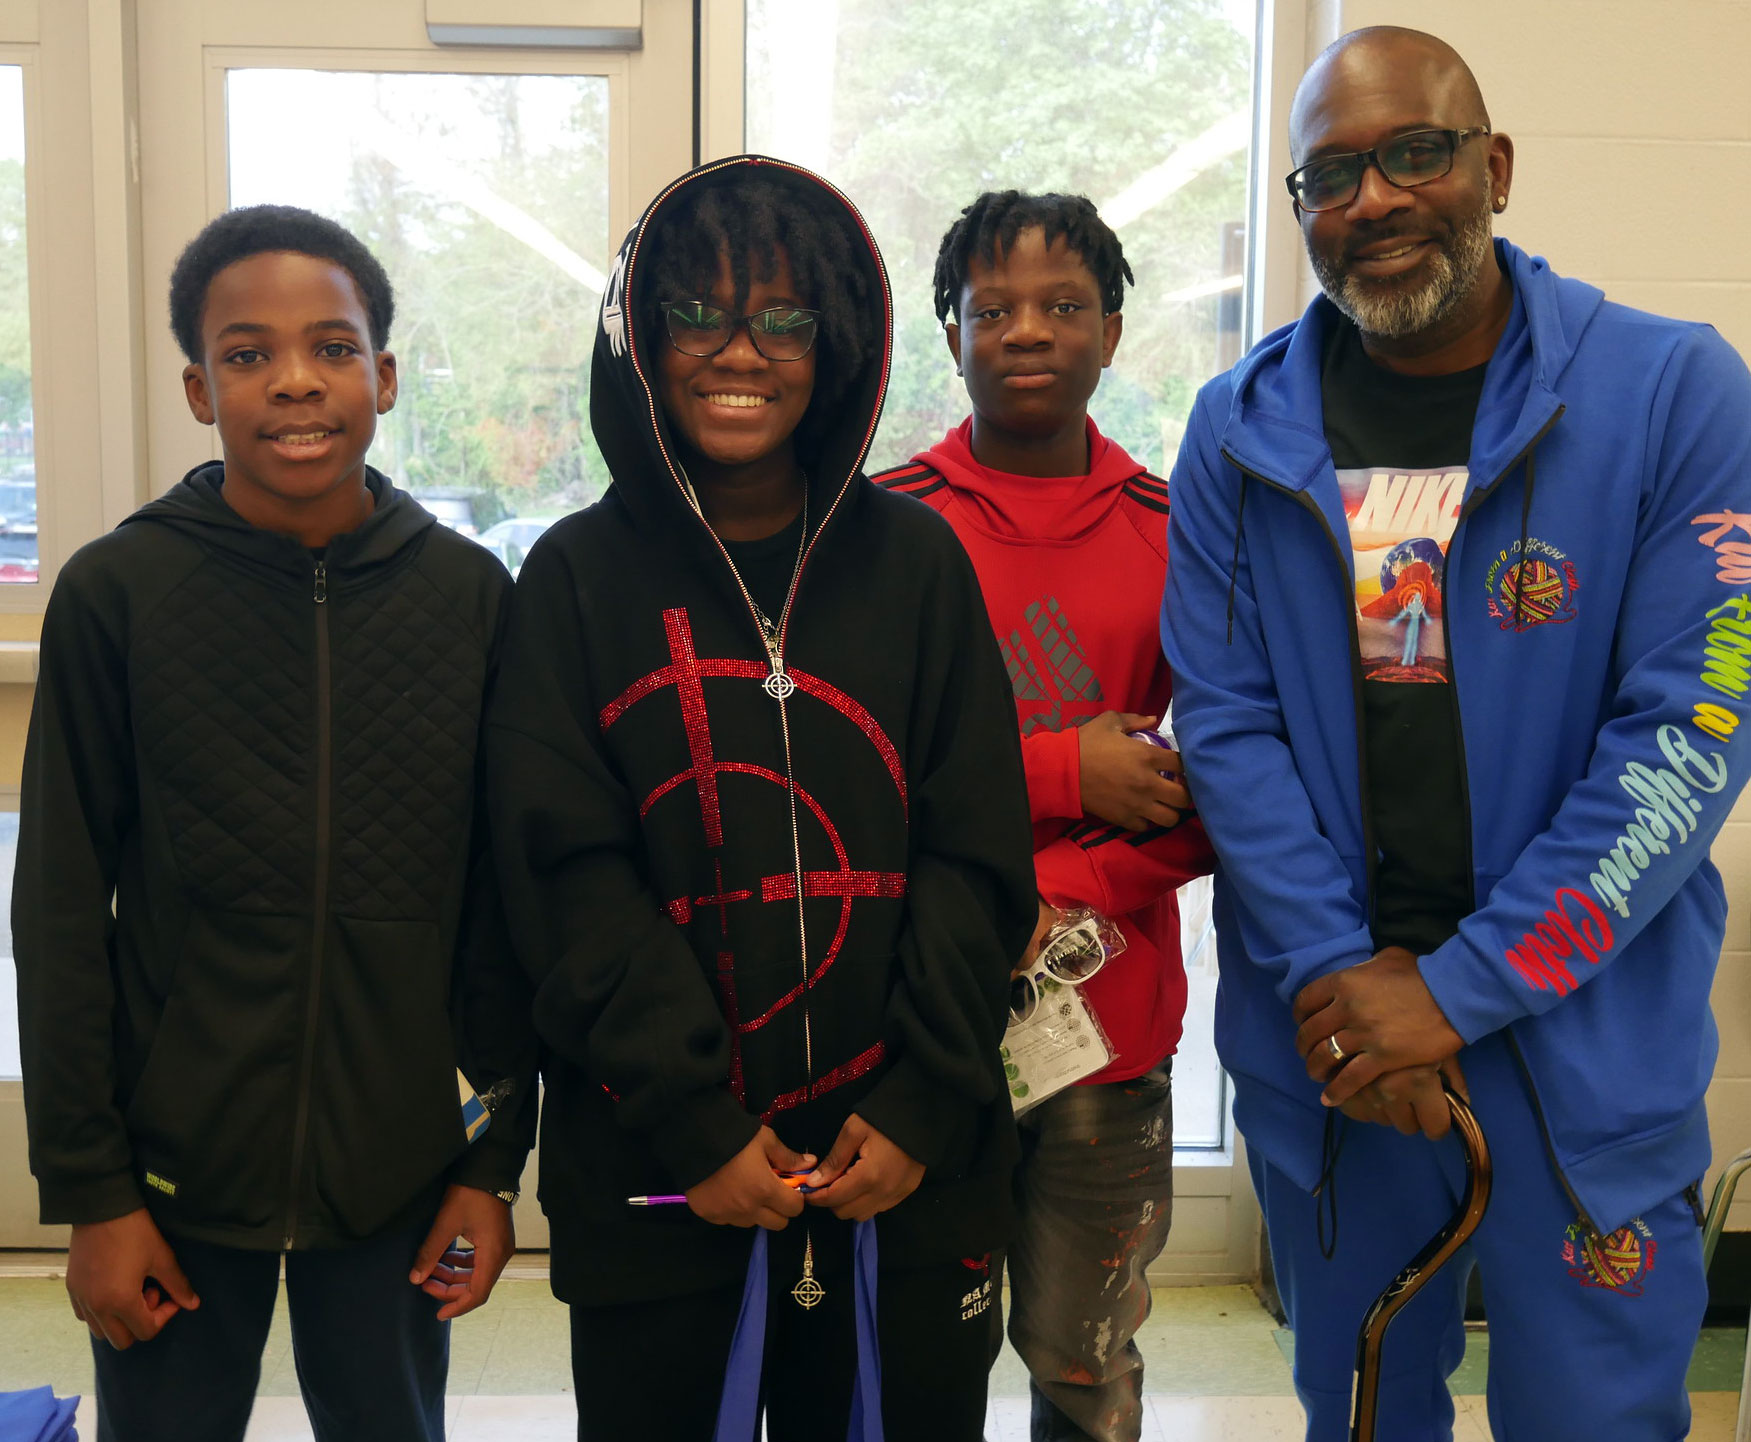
[1234,563]
[1331,1147]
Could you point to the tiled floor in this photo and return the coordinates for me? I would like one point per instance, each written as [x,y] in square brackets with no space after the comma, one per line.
[1217,1370]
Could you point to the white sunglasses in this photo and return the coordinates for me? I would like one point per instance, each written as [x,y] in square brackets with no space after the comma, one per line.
[1072,952]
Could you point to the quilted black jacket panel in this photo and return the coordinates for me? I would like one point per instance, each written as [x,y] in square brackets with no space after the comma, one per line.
[407,717]
[225,722]
[249,1069]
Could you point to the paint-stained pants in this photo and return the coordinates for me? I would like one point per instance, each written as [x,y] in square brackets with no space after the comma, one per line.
[1096,1194]
[1589,1337]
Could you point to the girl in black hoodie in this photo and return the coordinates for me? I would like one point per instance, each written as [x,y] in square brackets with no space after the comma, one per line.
[765,843]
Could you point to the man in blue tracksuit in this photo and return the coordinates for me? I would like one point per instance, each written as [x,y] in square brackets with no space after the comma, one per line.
[1460,620]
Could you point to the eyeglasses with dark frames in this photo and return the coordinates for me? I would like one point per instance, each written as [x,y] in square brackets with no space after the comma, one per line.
[1406,161]
[780,333]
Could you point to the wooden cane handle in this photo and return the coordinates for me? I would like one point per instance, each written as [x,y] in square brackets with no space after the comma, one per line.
[1439,1251]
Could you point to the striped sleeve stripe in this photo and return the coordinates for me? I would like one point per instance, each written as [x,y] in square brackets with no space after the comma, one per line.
[1147,499]
[904,478]
[1149,481]
[1155,833]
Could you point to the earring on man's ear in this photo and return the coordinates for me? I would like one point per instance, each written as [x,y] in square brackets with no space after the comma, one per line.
[1501,203]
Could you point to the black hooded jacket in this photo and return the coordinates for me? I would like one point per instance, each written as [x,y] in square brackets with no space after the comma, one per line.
[268,763]
[650,841]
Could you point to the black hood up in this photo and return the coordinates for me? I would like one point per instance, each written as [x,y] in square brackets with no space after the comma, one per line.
[757,878]
[626,413]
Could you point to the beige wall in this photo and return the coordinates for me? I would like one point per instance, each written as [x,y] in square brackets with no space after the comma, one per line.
[1632,130]
[14,705]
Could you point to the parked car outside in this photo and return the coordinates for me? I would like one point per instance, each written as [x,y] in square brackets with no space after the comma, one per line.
[510,540]
[18,529]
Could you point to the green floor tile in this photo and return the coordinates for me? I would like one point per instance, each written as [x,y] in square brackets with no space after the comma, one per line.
[1719,1361]
[531,1345]
[1198,1341]
[1467,1379]
[1199,1362]
[42,1342]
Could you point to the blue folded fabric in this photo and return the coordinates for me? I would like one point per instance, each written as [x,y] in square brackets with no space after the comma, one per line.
[738,1413]
[475,1116]
[37,1416]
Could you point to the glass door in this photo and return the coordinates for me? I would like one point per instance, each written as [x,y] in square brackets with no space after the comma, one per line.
[486,197]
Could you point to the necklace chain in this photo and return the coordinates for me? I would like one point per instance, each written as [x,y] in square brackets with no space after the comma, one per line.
[766,622]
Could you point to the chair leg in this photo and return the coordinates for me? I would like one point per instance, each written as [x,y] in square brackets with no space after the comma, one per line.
[1713,1224]
[1720,1203]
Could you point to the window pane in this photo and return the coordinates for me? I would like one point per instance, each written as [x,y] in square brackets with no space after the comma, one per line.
[18,553]
[914,107]
[486,199]
[1200,1090]
[10,1069]
[1147,110]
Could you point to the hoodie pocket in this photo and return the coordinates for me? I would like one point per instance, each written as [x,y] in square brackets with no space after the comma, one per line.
[210,1109]
[385,1117]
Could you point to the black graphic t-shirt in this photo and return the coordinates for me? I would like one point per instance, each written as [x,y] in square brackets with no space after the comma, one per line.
[1401,445]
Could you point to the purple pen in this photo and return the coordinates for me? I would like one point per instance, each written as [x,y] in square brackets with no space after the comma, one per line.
[790,1179]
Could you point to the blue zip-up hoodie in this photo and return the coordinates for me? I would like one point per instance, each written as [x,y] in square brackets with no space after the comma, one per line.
[1598,611]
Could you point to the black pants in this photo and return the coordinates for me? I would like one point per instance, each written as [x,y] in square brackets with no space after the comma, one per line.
[654,1370]
[371,1354]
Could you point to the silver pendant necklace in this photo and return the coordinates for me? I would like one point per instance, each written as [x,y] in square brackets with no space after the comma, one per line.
[808,1292]
[779,686]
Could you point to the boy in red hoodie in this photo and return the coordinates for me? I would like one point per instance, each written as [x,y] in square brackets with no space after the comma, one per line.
[1069,538]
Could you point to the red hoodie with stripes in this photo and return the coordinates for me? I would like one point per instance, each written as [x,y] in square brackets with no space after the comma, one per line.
[1072,568]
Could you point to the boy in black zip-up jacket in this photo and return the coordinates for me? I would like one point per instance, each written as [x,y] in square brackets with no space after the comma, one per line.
[256,928]
[763,835]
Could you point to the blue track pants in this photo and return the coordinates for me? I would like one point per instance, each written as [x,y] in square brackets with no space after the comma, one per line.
[1590,1337]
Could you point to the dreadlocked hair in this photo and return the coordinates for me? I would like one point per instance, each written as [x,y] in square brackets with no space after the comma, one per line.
[992,223]
[755,223]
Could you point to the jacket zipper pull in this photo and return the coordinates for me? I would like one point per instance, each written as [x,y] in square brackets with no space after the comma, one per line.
[321,582]
[778,685]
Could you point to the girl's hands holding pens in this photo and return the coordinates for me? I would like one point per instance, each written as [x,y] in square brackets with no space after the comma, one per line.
[746,1192]
[883,1177]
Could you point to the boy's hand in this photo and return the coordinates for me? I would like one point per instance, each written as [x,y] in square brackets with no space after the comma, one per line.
[1121,776]
[1048,919]
[745,1190]
[462,1279]
[123,1279]
[883,1177]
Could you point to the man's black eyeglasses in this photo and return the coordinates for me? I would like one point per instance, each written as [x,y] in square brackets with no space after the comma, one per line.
[781,333]
[1405,160]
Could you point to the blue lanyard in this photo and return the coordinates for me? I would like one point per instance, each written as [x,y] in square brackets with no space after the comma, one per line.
[738,1414]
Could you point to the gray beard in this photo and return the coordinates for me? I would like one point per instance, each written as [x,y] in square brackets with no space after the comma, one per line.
[1393,313]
